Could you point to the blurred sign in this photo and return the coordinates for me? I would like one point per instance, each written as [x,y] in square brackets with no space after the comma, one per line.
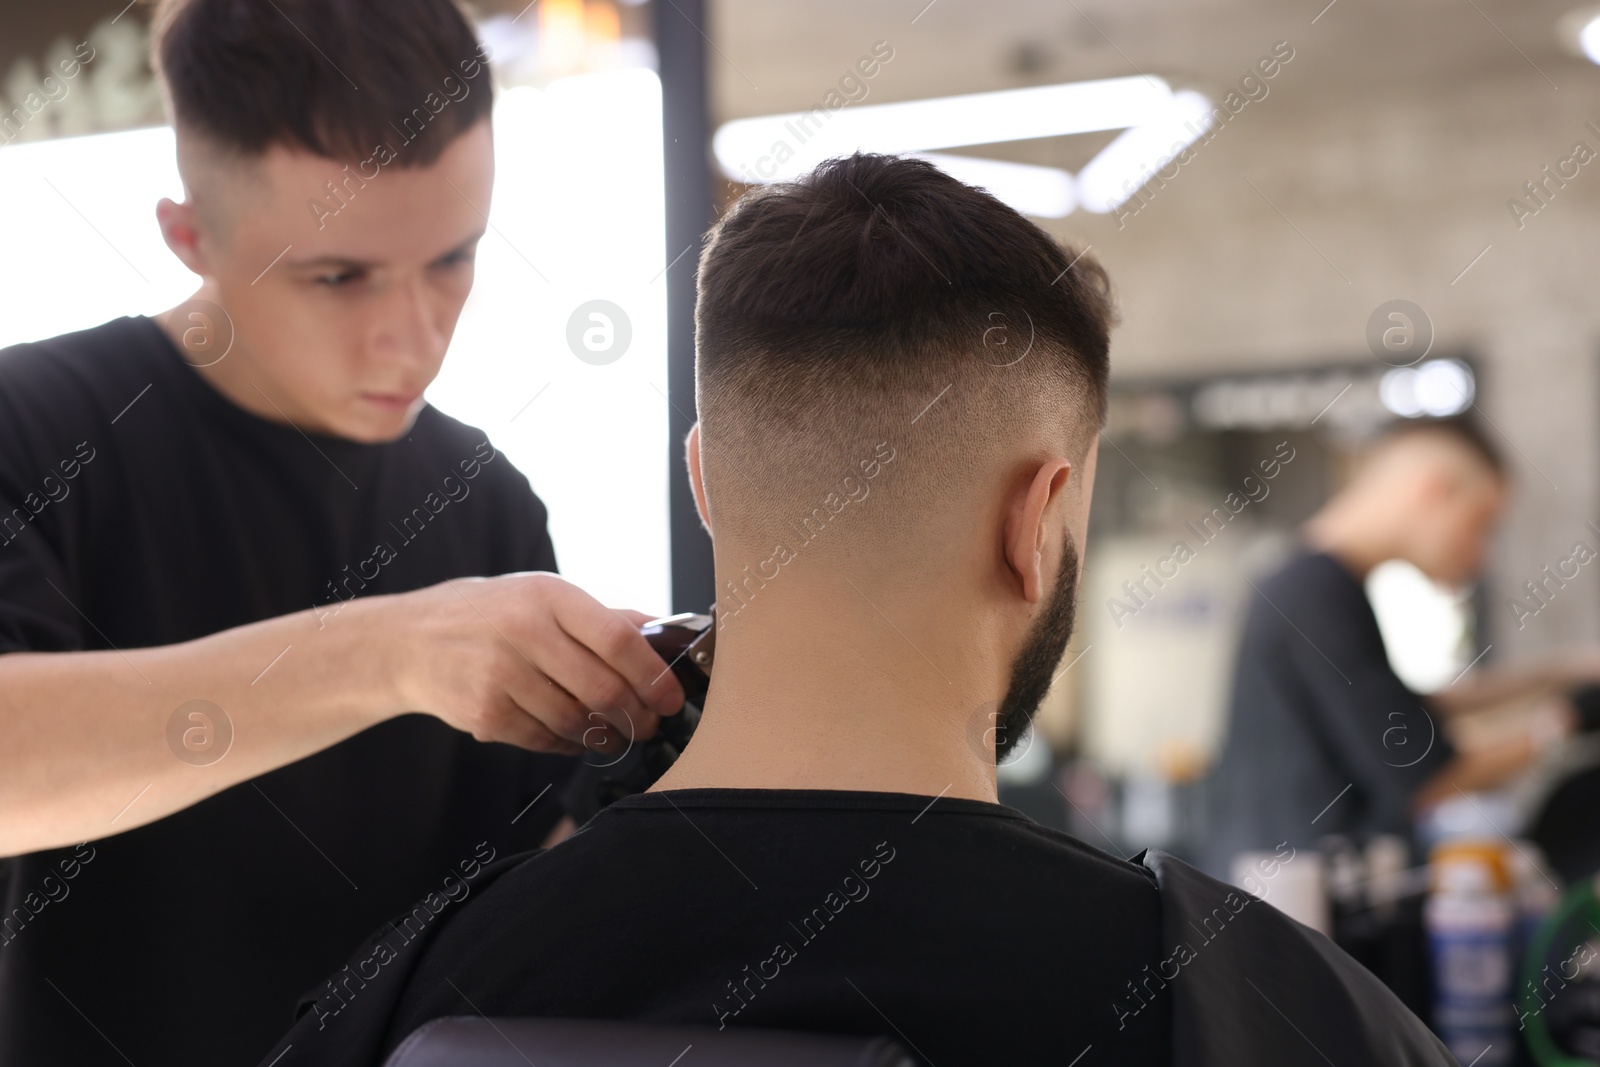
[1159,673]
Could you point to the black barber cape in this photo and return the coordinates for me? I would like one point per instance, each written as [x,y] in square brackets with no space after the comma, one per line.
[1251,987]
[963,930]
[1323,737]
[140,507]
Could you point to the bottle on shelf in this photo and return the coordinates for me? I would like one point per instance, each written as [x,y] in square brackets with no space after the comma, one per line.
[1470,918]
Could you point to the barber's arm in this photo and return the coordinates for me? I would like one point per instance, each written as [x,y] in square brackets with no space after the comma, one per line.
[528,659]
[1384,738]
[1394,743]
[1499,685]
[1488,758]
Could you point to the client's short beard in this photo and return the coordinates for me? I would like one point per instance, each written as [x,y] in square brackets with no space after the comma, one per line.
[1034,669]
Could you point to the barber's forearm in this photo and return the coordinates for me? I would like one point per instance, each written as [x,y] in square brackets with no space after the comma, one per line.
[1488,689]
[93,743]
[1480,769]
[1500,685]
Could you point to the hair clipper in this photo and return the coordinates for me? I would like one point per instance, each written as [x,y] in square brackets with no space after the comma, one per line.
[687,642]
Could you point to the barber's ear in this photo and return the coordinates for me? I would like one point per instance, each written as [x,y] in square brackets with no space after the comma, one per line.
[180,228]
[691,447]
[1035,510]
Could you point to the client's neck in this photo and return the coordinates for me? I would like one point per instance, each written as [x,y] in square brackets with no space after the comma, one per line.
[824,688]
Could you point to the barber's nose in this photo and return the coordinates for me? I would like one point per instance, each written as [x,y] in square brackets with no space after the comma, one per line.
[410,327]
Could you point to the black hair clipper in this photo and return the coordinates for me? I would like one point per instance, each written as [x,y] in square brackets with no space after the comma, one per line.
[687,642]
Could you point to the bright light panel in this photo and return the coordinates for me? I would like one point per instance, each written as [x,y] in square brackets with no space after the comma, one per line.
[1043,192]
[1122,167]
[81,229]
[748,150]
[1425,626]
[578,199]
[1589,39]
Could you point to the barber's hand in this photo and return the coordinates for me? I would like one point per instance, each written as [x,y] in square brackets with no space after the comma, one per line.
[1551,721]
[532,660]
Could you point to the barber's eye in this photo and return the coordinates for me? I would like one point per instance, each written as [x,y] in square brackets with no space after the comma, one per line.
[455,259]
[338,279]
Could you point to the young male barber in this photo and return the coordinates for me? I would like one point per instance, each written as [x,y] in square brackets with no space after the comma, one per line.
[237,554]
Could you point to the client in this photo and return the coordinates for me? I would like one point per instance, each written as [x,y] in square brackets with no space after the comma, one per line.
[900,384]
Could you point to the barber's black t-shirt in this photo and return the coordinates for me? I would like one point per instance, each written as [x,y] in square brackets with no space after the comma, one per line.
[140,507]
[1323,737]
[962,929]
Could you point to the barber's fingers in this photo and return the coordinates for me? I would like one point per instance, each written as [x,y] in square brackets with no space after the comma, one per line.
[604,696]
[513,723]
[1552,719]
[637,618]
[542,699]
[558,678]
[611,665]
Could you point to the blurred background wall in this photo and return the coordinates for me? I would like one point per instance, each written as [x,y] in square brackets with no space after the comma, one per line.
[1377,167]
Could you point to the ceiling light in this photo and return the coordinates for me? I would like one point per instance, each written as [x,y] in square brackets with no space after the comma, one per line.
[779,147]
[1125,165]
[1043,192]
[1589,39]
[1439,387]
[1578,31]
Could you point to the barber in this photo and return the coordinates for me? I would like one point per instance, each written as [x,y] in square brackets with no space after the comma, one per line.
[1323,737]
[250,666]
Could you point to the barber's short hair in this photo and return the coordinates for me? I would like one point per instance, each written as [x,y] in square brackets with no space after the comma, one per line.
[333,77]
[877,299]
[1461,429]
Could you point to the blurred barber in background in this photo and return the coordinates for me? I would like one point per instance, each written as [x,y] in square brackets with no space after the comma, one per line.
[1323,737]
[247,650]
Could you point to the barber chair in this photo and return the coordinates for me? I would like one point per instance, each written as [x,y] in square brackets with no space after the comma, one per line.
[474,1041]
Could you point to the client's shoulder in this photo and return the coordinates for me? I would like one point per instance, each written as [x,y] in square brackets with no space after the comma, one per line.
[965,848]
[1256,987]
[1076,858]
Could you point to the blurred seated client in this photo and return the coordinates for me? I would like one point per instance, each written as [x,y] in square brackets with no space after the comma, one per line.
[900,383]
[1323,736]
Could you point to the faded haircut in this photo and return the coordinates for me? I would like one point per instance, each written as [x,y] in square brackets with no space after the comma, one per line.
[876,299]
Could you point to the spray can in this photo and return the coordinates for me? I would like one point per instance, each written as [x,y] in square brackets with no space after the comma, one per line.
[1470,919]
[1536,893]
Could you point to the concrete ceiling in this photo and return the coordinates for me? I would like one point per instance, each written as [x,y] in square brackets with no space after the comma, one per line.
[1366,49]
[779,55]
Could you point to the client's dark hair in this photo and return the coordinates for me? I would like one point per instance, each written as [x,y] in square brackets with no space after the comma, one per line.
[877,299]
[334,77]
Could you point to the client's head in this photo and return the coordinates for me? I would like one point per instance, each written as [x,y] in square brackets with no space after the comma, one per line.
[900,384]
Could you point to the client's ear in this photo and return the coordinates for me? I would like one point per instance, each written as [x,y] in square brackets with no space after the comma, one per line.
[1035,509]
[691,447]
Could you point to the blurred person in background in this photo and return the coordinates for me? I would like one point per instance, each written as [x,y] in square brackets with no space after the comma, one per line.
[1323,737]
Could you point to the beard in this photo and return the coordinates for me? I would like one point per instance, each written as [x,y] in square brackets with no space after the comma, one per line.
[1033,670]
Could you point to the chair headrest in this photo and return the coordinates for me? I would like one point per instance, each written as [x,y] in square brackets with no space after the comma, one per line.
[474,1041]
